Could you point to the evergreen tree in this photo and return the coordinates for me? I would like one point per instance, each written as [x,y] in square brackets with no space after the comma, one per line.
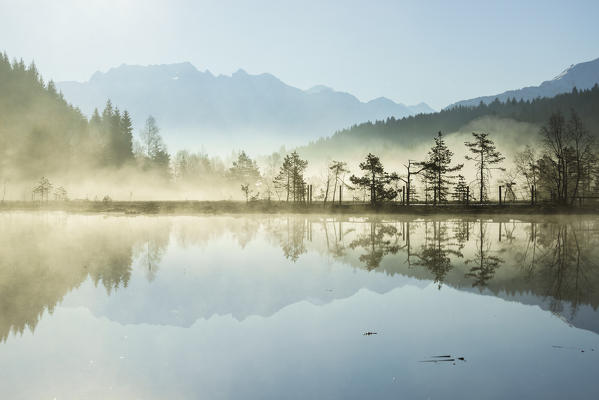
[461,190]
[126,148]
[374,179]
[298,167]
[291,177]
[244,170]
[438,173]
[96,120]
[283,180]
[485,157]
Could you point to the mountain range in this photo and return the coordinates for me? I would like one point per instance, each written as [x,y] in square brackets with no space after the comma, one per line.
[582,76]
[195,108]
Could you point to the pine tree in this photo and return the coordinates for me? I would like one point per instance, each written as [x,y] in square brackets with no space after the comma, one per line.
[298,184]
[127,137]
[485,157]
[438,173]
[291,177]
[244,170]
[461,190]
[375,179]
[283,179]
[96,120]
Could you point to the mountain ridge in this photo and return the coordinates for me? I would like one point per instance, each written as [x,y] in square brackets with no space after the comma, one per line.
[582,76]
[196,107]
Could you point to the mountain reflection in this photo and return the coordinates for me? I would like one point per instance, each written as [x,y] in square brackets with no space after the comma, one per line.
[45,256]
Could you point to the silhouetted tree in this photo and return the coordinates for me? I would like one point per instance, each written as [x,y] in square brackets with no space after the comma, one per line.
[438,172]
[410,172]
[375,179]
[485,156]
[338,168]
[461,190]
[527,169]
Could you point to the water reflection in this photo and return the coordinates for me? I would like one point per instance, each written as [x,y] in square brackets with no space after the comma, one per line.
[550,262]
[276,306]
[484,264]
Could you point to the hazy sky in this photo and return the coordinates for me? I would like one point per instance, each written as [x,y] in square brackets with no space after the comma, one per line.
[410,51]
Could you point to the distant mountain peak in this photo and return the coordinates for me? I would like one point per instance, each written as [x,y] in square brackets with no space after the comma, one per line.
[195,108]
[319,89]
[582,76]
[563,73]
[381,100]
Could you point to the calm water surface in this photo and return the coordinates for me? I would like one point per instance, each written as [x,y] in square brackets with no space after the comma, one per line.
[276,307]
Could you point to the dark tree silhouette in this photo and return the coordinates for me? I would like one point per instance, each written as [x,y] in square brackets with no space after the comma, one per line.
[338,169]
[485,156]
[438,172]
[375,179]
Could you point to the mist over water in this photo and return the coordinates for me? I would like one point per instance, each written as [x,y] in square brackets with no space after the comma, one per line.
[187,307]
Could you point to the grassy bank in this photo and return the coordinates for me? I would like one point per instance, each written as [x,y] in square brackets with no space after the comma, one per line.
[276,207]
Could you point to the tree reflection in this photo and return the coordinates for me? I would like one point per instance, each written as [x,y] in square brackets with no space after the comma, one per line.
[436,251]
[292,241]
[381,240]
[484,264]
[43,258]
[566,264]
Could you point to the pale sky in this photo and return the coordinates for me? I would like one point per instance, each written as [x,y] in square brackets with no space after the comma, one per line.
[438,52]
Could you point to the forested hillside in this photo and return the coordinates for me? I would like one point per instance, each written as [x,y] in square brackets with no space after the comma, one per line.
[41,134]
[414,130]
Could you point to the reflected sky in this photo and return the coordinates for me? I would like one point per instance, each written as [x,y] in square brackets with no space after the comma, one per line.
[276,307]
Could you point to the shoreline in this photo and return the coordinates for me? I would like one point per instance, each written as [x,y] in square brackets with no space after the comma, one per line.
[280,207]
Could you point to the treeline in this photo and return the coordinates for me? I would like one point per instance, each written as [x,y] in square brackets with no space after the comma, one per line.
[563,170]
[412,130]
[41,134]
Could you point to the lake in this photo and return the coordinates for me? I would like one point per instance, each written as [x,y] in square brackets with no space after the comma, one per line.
[298,307]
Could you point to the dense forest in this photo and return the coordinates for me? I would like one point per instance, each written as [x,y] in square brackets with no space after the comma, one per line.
[413,130]
[42,134]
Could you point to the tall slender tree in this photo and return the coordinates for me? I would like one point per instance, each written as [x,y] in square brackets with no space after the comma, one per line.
[291,177]
[438,171]
[126,148]
[338,168]
[485,157]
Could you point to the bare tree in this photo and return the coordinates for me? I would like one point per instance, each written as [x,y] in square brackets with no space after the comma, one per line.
[420,166]
[338,168]
[527,168]
[246,190]
[581,143]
